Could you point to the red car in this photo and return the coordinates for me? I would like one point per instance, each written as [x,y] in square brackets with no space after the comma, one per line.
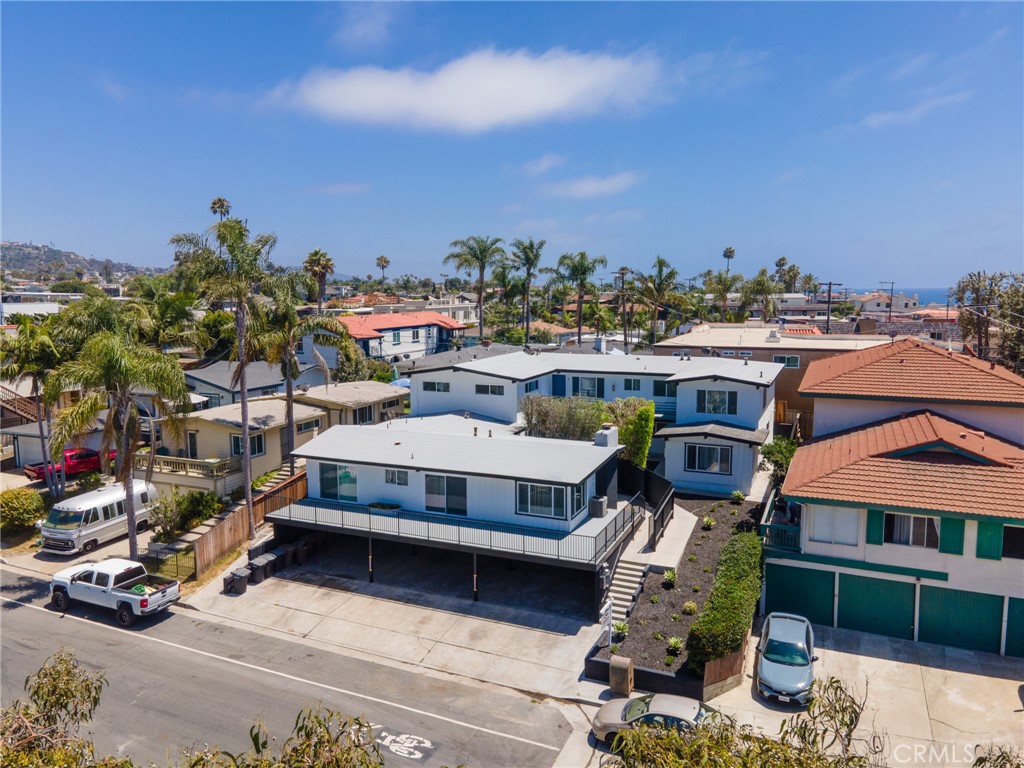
[76,461]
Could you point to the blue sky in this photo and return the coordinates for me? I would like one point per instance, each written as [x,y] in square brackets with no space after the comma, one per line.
[864,142]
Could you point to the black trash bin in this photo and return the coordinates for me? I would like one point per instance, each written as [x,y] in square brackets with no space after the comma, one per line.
[302,551]
[280,558]
[272,563]
[229,583]
[258,569]
[240,580]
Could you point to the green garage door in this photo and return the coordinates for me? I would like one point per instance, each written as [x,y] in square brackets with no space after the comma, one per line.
[882,606]
[802,591]
[1015,627]
[962,619]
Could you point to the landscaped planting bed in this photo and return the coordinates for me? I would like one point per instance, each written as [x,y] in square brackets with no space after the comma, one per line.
[662,611]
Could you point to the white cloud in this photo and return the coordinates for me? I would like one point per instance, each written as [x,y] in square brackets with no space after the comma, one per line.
[911,66]
[543,164]
[544,226]
[594,186]
[620,215]
[787,176]
[366,24]
[482,91]
[718,72]
[111,87]
[914,113]
[339,188]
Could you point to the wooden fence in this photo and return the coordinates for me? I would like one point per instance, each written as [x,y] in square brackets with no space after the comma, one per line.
[233,526]
[721,675]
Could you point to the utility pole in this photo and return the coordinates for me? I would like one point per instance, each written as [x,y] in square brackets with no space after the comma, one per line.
[828,307]
[620,277]
[892,287]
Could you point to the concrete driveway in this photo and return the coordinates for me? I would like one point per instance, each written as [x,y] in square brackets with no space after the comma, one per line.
[48,563]
[934,703]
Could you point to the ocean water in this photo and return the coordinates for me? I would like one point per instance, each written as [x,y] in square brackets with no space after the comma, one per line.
[925,295]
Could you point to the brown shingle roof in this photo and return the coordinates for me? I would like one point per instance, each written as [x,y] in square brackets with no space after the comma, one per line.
[919,461]
[912,370]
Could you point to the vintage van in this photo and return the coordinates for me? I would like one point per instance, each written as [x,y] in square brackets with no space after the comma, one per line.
[82,523]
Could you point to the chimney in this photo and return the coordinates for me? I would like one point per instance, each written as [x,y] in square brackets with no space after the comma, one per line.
[490,433]
[607,436]
[474,431]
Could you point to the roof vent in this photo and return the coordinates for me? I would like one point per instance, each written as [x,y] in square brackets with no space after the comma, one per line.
[773,337]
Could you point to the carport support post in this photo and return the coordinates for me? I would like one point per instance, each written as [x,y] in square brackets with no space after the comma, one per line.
[370,540]
[476,586]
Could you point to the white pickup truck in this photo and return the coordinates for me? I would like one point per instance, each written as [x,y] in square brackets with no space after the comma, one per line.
[122,585]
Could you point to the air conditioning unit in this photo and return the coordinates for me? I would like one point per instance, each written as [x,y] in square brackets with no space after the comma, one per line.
[598,506]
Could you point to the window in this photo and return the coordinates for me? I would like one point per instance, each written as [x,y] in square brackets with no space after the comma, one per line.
[256,445]
[363,415]
[709,458]
[436,386]
[532,386]
[490,389]
[299,349]
[716,401]
[1013,541]
[790,361]
[541,500]
[446,494]
[391,403]
[396,337]
[306,426]
[665,388]
[337,482]
[588,386]
[396,476]
[911,530]
[836,526]
[416,334]
[631,385]
[268,392]
[578,499]
[728,353]
[746,353]
[145,497]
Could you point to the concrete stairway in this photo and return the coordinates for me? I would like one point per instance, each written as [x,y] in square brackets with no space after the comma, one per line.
[283,474]
[625,582]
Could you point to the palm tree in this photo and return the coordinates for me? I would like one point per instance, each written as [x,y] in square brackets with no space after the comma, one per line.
[526,257]
[809,285]
[476,253]
[277,340]
[31,354]
[577,270]
[383,262]
[234,276]
[656,290]
[728,254]
[720,284]
[762,289]
[319,266]
[112,371]
[220,206]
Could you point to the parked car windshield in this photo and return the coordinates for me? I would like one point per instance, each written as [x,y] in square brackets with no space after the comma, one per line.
[636,707]
[62,518]
[786,653]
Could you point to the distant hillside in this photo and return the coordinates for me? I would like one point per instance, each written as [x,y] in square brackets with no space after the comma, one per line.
[42,260]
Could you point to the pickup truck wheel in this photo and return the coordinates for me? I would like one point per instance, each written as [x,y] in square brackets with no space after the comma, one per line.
[89,546]
[60,600]
[141,526]
[124,615]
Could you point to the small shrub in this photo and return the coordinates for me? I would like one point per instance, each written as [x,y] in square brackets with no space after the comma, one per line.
[20,508]
[689,608]
[89,481]
[738,497]
[707,569]
[708,522]
[670,576]
[620,628]
[734,512]
[676,617]
[670,660]
[642,622]
[658,636]
[675,645]
[696,587]
[655,599]
[692,558]
[614,648]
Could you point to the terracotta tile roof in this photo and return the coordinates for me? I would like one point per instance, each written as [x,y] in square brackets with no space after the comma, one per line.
[912,370]
[371,326]
[802,330]
[919,461]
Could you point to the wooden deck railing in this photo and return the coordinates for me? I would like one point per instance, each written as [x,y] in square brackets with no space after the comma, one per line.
[211,468]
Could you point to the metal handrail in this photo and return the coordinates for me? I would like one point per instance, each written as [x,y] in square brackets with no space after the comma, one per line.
[443,528]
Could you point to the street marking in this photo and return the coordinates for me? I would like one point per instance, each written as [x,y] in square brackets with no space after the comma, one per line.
[294,678]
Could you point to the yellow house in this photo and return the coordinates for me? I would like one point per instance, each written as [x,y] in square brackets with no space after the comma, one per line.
[208,457]
[355,402]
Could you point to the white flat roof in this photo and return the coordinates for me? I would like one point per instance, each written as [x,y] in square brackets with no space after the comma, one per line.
[529,458]
[454,423]
[522,366]
[264,413]
[745,337]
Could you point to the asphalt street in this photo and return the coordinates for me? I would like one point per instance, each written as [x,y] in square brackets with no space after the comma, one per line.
[176,680]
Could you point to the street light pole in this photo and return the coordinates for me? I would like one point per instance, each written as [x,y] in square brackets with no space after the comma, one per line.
[828,307]
[892,287]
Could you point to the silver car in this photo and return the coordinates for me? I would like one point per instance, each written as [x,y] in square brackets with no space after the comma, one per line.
[655,710]
[785,658]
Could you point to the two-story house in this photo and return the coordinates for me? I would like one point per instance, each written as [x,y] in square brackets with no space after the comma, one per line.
[355,402]
[712,414]
[398,336]
[907,518]
[216,382]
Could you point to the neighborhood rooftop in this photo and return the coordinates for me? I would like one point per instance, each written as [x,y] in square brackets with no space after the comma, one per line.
[257,375]
[916,461]
[264,413]
[353,394]
[372,326]
[758,335]
[912,370]
[528,458]
[522,366]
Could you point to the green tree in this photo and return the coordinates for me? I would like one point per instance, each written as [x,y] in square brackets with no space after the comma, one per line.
[977,294]
[762,290]
[232,274]
[31,355]
[787,274]
[562,418]
[1010,313]
[656,291]
[728,254]
[720,284]
[478,254]
[220,206]
[776,457]
[383,262]
[320,266]
[526,256]
[577,271]
[634,417]
[809,285]
[113,372]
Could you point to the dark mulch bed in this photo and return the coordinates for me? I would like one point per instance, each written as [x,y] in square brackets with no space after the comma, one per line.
[659,609]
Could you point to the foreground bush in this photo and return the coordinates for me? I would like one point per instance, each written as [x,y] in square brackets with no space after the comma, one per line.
[20,508]
[723,623]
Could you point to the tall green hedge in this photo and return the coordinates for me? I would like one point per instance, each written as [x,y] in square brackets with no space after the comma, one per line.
[635,419]
[726,617]
[20,508]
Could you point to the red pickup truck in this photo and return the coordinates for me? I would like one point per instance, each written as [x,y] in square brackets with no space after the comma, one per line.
[76,461]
